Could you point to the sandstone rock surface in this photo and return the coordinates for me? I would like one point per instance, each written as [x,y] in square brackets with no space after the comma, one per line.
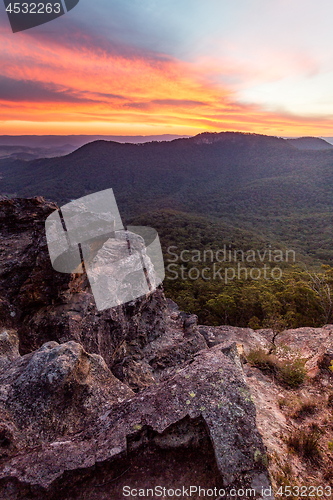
[93,401]
[282,412]
[44,305]
[86,427]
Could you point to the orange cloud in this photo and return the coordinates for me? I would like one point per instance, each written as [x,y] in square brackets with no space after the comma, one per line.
[93,86]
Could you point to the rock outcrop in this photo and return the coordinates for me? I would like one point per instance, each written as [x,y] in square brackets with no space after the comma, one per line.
[137,396]
[44,305]
[90,433]
[289,416]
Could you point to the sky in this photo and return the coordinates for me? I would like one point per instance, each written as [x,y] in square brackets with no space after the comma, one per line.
[141,67]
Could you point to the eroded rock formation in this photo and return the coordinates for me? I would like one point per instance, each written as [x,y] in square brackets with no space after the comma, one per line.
[71,420]
[92,402]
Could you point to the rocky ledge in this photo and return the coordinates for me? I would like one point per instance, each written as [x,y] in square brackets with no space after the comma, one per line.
[100,405]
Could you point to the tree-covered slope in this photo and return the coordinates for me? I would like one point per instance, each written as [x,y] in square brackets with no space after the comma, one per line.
[258,183]
[244,192]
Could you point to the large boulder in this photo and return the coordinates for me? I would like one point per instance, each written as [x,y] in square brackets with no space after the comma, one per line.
[45,305]
[81,440]
[92,402]
[288,414]
[137,340]
[57,390]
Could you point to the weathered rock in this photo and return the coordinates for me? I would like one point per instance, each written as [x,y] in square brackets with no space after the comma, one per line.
[77,318]
[71,426]
[178,345]
[57,390]
[271,421]
[205,408]
[325,361]
[8,347]
[310,343]
[282,412]
[27,280]
[250,339]
[44,305]
[190,324]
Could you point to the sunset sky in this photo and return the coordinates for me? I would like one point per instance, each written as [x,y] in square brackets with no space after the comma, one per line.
[171,66]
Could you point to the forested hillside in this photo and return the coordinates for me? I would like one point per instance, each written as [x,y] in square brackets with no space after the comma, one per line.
[245,191]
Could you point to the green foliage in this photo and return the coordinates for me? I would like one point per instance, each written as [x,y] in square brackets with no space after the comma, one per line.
[262,359]
[289,372]
[292,373]
[276,304]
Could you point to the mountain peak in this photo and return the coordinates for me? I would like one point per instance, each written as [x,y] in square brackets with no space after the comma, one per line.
[310,143]
[231,137]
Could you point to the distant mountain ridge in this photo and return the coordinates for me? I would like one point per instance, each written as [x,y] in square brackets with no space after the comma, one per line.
[32,153]
[78,140]
[30,147]
[260,183]
[310,143]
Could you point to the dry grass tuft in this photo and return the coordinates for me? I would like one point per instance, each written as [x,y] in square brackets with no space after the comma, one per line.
[305,442]
[289,372]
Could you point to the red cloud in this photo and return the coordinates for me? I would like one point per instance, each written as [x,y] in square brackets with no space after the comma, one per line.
[79,83]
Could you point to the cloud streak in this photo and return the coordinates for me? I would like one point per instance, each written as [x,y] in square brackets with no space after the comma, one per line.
[12,90]
[74,76]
